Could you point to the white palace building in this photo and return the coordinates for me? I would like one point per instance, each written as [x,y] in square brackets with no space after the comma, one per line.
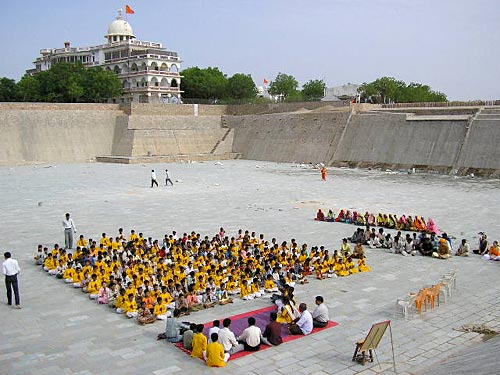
[149,73]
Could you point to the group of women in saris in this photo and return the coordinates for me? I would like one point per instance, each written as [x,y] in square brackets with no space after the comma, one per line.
[410,223]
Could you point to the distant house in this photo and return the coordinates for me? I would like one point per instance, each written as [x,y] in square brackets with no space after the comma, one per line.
[344,92]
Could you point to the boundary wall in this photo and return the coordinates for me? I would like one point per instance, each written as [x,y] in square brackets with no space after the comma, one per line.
[454,141]
[449,140]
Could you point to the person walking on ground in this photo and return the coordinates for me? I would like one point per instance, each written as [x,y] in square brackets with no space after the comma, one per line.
[324,173]
[153,178]
[69,229]
[167,178]
[10,270]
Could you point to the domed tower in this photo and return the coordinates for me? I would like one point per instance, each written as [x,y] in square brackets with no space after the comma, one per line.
[119,30]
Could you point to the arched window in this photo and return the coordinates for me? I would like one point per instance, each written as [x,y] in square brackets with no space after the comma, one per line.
[174,68]
[174,83]
[164,83]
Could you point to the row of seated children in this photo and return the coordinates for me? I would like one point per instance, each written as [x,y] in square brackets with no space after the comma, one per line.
[422,244]
[391,221]
[190,273]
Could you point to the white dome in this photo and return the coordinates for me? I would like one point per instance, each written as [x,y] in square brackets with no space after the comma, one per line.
[120,27]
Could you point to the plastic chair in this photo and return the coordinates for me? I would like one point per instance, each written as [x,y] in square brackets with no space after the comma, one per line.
[451,277]
[405,305]
[421,301]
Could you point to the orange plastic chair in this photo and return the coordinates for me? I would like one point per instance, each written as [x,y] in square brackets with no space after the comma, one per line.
[421,301]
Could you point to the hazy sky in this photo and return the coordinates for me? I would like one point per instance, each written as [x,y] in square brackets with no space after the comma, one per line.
[452,45]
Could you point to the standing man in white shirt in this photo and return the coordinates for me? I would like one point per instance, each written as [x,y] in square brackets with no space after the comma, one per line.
[10,269]
[320,314]
[69,229]
[304,324]
[153,178]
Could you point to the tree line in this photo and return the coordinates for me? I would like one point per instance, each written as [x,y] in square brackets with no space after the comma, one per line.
[73,83]
[391,90]
[63,83]
[212,84]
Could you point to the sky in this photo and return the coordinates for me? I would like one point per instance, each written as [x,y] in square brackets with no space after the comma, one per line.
[451,45]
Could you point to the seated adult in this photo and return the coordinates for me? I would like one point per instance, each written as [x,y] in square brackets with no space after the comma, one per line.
[320,315]
[393,221]
[357,236]
[187,337]
[320,216]
[494,252]
[444,251]
[359,251]
[251,336]
[345,249]
[215,356]
[463,250]
[330,216]
[172,328]
[272,332]
[340,217]
[426,247]
[228,339]
[432,227]
[483,245]
[304,324]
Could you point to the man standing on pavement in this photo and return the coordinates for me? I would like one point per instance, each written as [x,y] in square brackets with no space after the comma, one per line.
[69,229]
[167,178]
[10,270]
[320,314]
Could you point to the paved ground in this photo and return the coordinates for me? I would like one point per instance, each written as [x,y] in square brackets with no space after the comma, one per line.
[58,331]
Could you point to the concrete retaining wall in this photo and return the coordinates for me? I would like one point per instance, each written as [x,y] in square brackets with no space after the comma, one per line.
[301,138]
[52,135]
[454,140]
[390,140]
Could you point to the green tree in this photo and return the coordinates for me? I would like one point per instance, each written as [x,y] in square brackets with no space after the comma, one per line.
[70,83]
[7,90]
[208,83]
[314,90]
[28,89]
[388,89]
[241,86]
[99,85]
[284,85]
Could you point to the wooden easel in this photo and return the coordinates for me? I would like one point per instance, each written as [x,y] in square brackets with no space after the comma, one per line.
[371,342]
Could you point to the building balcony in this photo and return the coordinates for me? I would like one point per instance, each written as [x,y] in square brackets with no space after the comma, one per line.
[149,72]
[160,89]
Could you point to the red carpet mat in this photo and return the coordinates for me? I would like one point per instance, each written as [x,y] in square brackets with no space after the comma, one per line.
[239,323]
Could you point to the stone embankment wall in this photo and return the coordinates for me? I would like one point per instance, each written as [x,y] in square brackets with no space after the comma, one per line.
[463,140]
[38,133]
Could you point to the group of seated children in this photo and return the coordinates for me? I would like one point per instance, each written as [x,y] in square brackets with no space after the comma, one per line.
[423,244]
[146,281]
[391,221]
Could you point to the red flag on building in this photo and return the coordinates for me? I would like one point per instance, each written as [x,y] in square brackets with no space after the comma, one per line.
[129,10]
[266,82]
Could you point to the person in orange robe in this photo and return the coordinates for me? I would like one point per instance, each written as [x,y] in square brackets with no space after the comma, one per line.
[324,173]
